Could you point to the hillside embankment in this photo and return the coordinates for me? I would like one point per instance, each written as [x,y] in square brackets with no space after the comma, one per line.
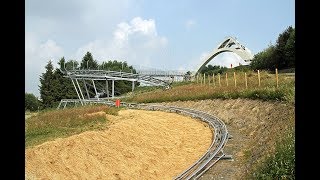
[255,126]
[137,144]
[158,145]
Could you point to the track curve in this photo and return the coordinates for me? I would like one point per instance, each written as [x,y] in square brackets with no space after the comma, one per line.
[214,152]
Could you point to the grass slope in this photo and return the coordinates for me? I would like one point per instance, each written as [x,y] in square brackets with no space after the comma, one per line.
[48,125]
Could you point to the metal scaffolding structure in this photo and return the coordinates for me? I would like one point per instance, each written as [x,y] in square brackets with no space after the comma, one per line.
[82,79]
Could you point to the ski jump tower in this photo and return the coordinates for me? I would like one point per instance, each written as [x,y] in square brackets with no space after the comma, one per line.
[229,44]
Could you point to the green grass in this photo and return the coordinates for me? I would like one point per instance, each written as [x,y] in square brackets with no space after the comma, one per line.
[199,91]
[50,124]
[281,165]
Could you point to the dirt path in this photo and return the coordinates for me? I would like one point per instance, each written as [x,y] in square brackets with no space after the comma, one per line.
[254,125]
[137,145]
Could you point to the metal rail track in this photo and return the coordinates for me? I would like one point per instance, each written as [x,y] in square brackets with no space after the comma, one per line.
[214,152]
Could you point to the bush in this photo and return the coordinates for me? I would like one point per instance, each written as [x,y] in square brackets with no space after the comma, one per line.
[281,165]
[31,103]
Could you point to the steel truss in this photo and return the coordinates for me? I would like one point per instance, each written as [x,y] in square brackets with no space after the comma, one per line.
[82,79]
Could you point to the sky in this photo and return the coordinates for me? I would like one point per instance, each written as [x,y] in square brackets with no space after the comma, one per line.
[164,35]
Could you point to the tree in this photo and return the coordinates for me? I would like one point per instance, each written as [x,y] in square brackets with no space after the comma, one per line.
[31,103]
[47,86]
[54,86]
[117,66]
[290,55]
[280,52]
[281,55]
[210,70]
[264,59]
[65,88]
[187,76]
[88,62]
[121,86]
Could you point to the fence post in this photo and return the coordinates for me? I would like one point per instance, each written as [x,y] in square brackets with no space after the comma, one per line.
[245,78]
[219,79]
[209,79]
[227,78]
[259,77]
[214,83]
[235,80]
[204,78]
[277,78]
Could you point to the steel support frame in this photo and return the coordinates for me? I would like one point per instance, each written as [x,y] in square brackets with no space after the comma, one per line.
[76,91]
[85,85]
[80,89]
[95,89]
[112,88]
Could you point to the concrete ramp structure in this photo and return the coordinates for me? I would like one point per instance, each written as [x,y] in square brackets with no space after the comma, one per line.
[229,44]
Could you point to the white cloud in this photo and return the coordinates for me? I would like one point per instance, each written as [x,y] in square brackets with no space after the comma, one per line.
[190,23]
[147,27]
[37,55]
[136,42]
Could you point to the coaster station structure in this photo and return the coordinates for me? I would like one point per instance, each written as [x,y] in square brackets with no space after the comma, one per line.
[88,85]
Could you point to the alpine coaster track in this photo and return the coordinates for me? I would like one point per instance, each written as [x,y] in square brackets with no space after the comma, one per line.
[214,152]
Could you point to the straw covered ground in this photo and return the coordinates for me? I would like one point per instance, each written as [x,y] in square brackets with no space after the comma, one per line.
[137,144]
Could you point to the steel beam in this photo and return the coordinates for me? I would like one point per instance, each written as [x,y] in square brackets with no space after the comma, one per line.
[107,86]
[132,86]
[85,85]
[59,105]
[94,86]
[77,91]
[80,89]
[112,88]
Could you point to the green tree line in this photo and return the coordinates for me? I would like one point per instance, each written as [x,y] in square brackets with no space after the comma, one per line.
[54,86]
[280,55]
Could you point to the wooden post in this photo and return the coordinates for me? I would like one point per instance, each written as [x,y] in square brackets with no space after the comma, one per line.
[201,79]
[245,78]
[214,83]
[235,80]
[204,78]
[219,79]
[277,78]
[259,77]
[227,78]
[209,79]
[197,78]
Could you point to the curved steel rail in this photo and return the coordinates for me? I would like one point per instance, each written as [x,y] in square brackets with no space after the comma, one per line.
[214,152]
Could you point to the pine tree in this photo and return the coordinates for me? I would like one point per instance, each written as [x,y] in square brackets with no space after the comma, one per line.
[280,53]
[88,62]
[65,89]
[46,86]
